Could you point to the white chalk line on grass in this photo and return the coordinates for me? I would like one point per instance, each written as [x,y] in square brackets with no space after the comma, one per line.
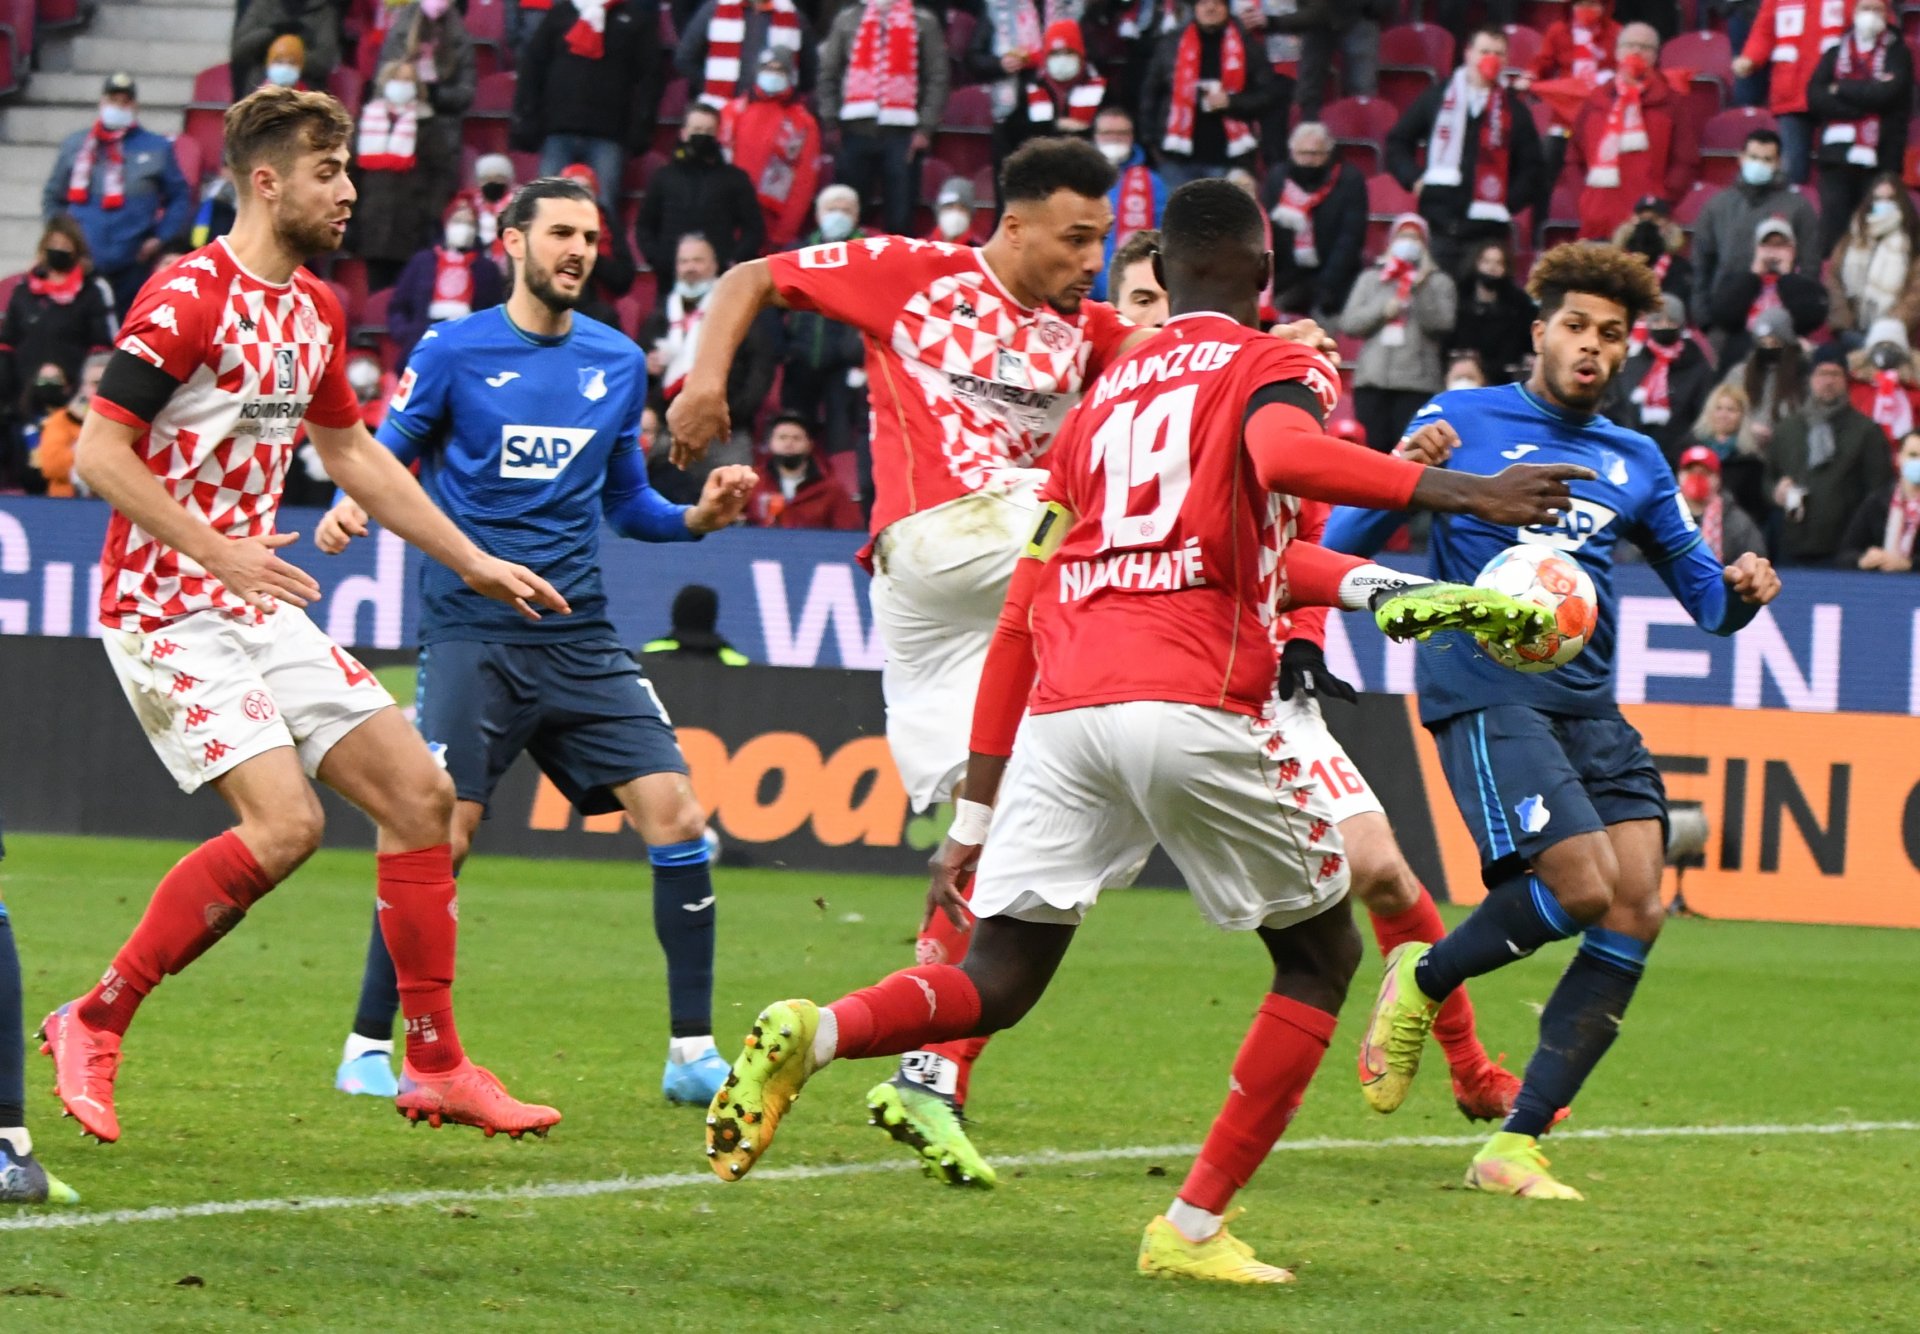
[577,1190]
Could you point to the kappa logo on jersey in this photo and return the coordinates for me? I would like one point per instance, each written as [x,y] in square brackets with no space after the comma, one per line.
[593,384]
[183,284]
[1576,527]
[403,391]
[540,453]
[165,317]
[202,263]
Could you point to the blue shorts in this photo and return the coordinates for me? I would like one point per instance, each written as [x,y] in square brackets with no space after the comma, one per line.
[1525,780]
[581,709]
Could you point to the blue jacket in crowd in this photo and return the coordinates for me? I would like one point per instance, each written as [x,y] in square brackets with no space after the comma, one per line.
[158,199]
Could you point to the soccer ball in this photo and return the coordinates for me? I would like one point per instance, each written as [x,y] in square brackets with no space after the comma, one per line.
[1545,578]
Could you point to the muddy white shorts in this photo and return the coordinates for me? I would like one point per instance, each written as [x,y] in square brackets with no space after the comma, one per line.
[1089,791]
[1325,760]
[213,690]
[939,579]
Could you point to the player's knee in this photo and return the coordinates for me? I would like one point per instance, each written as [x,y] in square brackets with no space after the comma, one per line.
[685,823]
[284,839]
[425,816]
[1381,878]
[1583,875]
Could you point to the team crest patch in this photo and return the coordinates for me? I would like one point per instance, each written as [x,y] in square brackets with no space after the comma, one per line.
[1613,467]
[593,383]
[308,321]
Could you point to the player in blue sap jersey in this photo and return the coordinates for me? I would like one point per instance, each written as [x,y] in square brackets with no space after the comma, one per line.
[525,419]
[1562,796]
[22,1179]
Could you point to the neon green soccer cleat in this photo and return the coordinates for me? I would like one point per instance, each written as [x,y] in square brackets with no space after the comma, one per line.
[773,1066]
[927,1124]
[1165,1252]
[1511,1164]
[1396,1033]
[1418,611]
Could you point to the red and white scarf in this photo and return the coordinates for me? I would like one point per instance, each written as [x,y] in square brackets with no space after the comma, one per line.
[726,36]
[1295,212]
[1626,132]
[1861,136]
[1903,521]
[1185,101]
[1447,151]
[1083,97]
[1588,57]
[80,182]
[387,135]
[587,38]
[682,340]
[1653,394]
[1768,299]
[452,283]
[883,72]
[1790,25]
[1712,517]
[59,288]
[1892,408]
[1135,213]
[1401,274]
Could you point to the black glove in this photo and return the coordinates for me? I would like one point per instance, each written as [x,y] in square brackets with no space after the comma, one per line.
[1303,667]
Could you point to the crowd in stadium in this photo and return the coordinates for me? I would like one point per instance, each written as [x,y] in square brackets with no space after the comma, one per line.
[1409,171]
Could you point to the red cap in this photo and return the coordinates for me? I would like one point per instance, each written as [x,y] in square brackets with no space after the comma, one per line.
[581,172]
[1065,32]
[1699,456]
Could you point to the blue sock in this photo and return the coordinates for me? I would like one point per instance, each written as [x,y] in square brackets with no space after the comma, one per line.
[1516,918]
[683,920]
[13,1032]
[1581,1019]
[379,990]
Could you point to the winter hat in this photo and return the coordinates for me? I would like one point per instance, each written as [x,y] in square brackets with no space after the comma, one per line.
[1674,309]
[581,172]
[956,193]
[1887,331]
[1065,33]
[1699,456]
[1830,354]
[1773,322]
[1415,221]
[1772,225]
[493,167]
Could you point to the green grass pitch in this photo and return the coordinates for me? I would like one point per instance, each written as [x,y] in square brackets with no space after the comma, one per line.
[226,1096]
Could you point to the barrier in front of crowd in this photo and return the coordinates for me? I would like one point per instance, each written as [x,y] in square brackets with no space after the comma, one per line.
[1814,817]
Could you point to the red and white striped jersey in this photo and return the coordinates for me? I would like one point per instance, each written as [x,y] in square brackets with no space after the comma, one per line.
[1167,583]
[254,359]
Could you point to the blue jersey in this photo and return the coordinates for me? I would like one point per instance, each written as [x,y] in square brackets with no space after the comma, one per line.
[527,442]
[1635,497]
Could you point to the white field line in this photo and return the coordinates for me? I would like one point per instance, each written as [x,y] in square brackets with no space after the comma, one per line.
[574,1190]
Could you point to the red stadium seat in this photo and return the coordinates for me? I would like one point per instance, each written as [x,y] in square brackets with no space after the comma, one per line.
[7,284]
[1523,44]
[1687,211]
[1722,138]
[969,111]
[346,85]
[1385,202]
[631,309]
[485,128]
[1543,14]
[213,87]
[187,152]
[207,127]
[54,14]
[349,275]
[844,465]
[1563,215]
[1413,57]
[1359,126]
[1708,54]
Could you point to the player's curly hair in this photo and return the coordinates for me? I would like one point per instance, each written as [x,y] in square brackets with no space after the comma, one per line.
[1039,167]
[1597,270]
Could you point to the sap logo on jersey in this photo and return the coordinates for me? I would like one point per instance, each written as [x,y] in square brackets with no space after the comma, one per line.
[1576,526]
[540,453]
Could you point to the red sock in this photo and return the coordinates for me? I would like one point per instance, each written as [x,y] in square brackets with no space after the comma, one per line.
[419,920]
[941,941]
[202,898]
[1453,1026]
[1270,1075]
[904,1012]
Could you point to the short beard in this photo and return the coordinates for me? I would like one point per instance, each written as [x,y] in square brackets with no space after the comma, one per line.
[304,236]
[1067,303]
[1571,394]
[540,286]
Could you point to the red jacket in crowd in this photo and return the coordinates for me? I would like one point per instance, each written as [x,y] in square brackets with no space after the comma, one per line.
[820,502]
[776,141]
[1666,167]
[1792,35]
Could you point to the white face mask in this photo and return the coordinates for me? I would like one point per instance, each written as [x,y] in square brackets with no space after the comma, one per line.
[283,76]
[113,116]
[364,378]
[1755,172]
[771,82]
[836,226]
[397,93]
[1063,67]
[693,291]
[1116,153]
[1883,211]
[1462,382]
[459,235]
[1868,27]
[954,222]
[1407,249]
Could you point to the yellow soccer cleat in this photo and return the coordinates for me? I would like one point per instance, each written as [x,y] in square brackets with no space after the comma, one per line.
[773,1066]
[1165,1252]
[1511,1164]
[927,1124]
[1396,1031]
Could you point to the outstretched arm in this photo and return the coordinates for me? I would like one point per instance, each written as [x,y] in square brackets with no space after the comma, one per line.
[698,415]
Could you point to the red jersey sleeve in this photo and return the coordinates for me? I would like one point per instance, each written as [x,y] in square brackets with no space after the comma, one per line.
[864,283]
[334,404]
[1106,331]
[170,327]
[1309,623]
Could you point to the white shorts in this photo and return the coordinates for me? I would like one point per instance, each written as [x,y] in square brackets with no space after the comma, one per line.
[1325,760]
[1090,791]
[939,579]
[212,690]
